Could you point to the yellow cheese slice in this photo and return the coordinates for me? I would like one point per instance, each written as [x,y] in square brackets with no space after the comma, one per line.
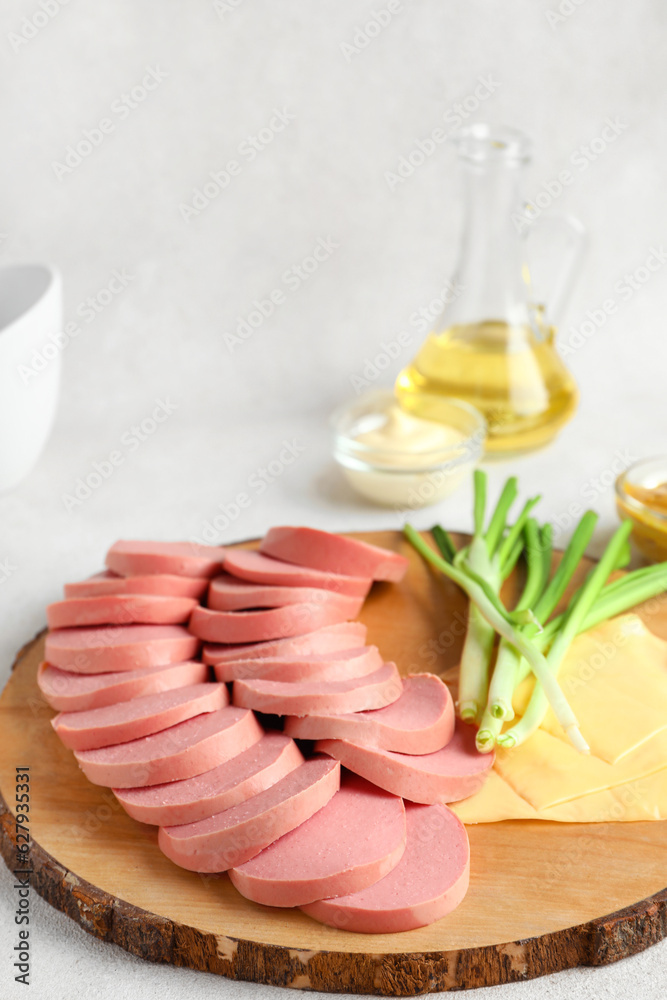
[642,800]
[545,771]
[615,679]
[495,801]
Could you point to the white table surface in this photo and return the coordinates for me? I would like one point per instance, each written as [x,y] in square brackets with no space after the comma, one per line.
[227,67]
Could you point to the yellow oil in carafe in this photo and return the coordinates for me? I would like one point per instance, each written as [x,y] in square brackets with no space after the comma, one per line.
[509,373]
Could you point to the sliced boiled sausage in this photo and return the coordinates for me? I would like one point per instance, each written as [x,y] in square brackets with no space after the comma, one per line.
[339,666]
[450,774]
[137,558]
[226,593]
[421,721]
[248,773]
[232,837]
[126,647]
[357,839]
[428,882]
[181,751]
[258,568]
[275,623]
[120,609]
[333,553]
[328,639]
[300,698]
[130,720]
[68,692]
[164,584]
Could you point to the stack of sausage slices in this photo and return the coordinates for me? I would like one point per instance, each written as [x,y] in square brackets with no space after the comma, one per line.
[333,800]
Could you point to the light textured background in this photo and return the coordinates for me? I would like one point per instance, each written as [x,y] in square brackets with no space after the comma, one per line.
[323,176]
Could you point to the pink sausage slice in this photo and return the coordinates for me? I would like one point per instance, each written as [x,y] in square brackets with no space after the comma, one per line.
[428,882]
[127,647]
[69,692]
[333,553]
[249,773]
[134,558]
[130,720]
[340,666]
[120,609]
[226,593]
[164,584]
[450,774]
[333,697]
[182,751]
[232,837]
[258,568]
[421,721]
[329,639]
[357,839]
[275,623]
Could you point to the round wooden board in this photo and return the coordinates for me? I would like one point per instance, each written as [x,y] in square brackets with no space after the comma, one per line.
[538,893]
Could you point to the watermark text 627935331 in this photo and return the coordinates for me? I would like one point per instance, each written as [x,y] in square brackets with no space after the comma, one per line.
[22,873]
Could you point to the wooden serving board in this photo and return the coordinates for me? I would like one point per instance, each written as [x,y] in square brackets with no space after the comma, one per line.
[543,896]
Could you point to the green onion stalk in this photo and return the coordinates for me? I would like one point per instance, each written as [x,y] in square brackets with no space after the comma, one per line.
[502,621]
[573,621]
[488,559]
[531,640]
[540,594]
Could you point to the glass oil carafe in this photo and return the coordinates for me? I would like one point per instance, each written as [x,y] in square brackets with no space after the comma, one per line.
[493,345]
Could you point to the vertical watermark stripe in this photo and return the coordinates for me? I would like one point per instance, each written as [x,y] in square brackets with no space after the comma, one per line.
[22,872]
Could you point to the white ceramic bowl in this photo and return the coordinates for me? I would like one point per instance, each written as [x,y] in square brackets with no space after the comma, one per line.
[415,477]
[30,322]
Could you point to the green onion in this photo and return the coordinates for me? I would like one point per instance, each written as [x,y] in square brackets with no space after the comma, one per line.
[479,506]
[570,560]
[617,597]
[528,631]
[488,732]
[503,680]
[574,618]
[480,635]
[514,533]
[502,624]
[444,542]
[499,517]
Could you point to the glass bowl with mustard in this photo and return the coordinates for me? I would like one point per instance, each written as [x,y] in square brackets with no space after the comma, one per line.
[397,459]
[641,496]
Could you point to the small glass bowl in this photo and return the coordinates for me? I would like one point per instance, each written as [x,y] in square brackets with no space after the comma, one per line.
[649,526]
[413,476]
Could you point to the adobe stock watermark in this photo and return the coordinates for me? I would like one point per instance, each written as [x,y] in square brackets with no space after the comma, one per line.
[591,490]
[453,118]
[436,484]
[588,667]
[625,288]
[292,280]
[222,7]
[121,108]
[87,310]
[246,151]
[564,10]
[257,483]
[395,347]
[31,26]
[130,441]
[580,159]
[363,34]
[7,570]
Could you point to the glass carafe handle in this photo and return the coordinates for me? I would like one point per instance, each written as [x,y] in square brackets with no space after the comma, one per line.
[553,275]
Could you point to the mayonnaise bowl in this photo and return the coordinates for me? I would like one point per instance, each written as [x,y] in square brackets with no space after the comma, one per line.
[396,459]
